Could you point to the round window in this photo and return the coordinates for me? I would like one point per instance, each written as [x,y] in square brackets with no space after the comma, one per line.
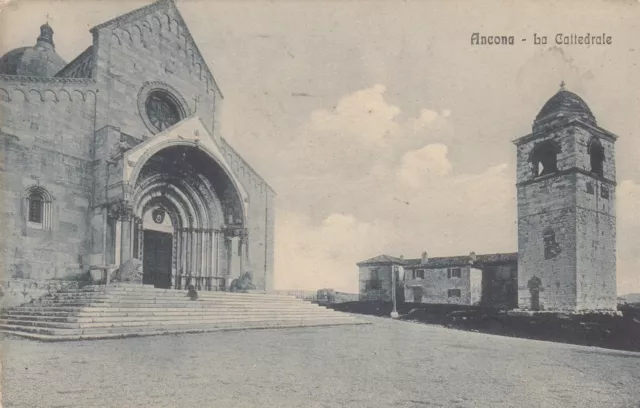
[162,110]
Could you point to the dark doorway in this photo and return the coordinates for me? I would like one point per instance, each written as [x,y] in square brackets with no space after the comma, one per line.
[417,294]
[156,266]
[535,285]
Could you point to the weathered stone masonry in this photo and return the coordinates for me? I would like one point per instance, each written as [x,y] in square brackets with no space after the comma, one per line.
[72,137]
[566,210]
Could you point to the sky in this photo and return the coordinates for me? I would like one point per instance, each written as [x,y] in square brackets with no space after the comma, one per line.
[379,125]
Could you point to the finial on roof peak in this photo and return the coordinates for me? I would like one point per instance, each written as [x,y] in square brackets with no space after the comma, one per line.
[562,85]
[46,33]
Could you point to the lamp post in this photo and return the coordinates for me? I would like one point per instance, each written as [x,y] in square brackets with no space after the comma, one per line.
[394,311]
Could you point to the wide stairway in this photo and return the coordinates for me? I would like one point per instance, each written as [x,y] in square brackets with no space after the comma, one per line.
[99,312]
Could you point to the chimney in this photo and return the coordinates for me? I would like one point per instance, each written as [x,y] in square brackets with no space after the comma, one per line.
[472,257]
[424,259]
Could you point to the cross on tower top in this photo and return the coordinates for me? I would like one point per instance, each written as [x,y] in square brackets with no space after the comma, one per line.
[48,18]
[562,84]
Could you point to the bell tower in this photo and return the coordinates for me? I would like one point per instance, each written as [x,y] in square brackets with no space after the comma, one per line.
[566,184]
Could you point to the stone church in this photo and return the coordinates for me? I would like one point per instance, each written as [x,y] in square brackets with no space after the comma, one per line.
[566,259]
[118,155]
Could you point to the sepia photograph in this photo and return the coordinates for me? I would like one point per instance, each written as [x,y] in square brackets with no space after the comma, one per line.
[319,203]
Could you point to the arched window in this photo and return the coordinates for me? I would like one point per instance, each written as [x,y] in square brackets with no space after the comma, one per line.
[544,158]
[38,202]
[596,153]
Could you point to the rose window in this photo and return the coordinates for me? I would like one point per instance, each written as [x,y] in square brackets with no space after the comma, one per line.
[162,111]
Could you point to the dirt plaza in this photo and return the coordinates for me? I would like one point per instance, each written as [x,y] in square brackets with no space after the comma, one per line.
[385,364]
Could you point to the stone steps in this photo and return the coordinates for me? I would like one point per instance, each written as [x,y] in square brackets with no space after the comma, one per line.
[162,320]
[67,335]
[144,290]
[96,312]
[173,296]
[121,311]
[155,316]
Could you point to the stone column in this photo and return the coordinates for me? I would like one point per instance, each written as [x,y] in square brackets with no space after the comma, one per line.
[125,238]
[140,239]
[216,255]
[182,263]
[206,250]
[235,263]
[241,251]
[228,256]
[123,213]
[194,254]
[200,234]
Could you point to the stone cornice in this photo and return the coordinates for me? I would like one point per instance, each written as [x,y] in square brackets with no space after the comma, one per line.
[573,121]
[133,15]
[572,170]
[52,80]
[247,165]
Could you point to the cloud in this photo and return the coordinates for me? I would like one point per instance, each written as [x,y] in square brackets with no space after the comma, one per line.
[315,255]
[447,215]
[423,164]
[364,180]
[362,130]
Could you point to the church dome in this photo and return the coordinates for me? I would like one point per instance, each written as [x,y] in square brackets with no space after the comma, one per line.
[565,103]
[41,60]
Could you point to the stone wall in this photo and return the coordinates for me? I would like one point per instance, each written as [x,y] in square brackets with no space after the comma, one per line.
[557,275]
[436,285]
[370,272]
[578,209]
[151,48]
[46,141]
[261,217]
[16,292]
[500,286]
[596,243]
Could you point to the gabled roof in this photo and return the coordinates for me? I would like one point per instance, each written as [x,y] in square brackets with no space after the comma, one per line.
[464,260]
[80,67]
[439,262]
[381,259]
[160,4]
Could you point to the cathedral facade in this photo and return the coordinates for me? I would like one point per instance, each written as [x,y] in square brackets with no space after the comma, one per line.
[118,155]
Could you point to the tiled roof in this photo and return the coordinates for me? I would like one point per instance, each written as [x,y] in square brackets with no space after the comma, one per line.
[444,261]
[459,261]
[565,101]
[382,259]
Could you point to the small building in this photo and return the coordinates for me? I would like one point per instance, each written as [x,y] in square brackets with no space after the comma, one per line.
[486,280]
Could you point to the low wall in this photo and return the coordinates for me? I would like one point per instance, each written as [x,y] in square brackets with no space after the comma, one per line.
[15,292]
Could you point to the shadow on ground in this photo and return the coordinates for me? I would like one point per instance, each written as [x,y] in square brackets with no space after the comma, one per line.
[589,329]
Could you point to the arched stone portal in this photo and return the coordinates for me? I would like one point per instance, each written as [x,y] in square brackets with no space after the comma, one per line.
[186,221]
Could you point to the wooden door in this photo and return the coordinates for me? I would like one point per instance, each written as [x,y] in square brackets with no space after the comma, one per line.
[158,248]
